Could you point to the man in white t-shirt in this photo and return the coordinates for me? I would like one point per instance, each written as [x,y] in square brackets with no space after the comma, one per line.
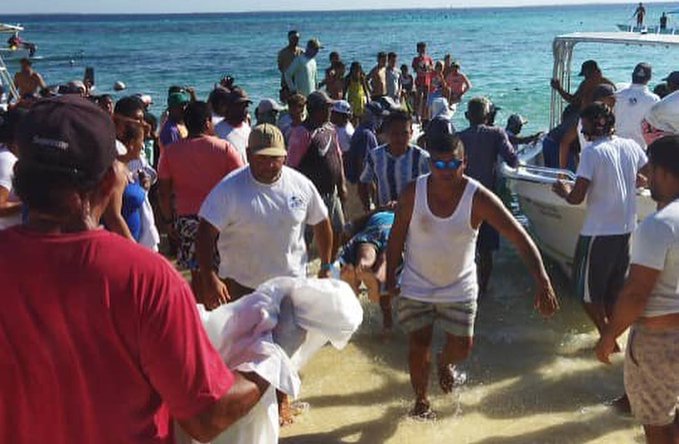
[632,104]
[235,128]
[649,303]
[607,177]
[340,116]
[10,206]
[259,213]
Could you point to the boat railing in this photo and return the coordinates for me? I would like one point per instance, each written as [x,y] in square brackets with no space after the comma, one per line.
[537,174]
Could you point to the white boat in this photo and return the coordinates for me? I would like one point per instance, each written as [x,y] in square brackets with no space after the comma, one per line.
[647,29]
[554,223]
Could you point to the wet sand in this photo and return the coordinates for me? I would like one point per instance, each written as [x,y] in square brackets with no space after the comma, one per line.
[529,380]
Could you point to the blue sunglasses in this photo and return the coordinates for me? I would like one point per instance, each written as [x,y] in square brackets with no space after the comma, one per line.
[443,165]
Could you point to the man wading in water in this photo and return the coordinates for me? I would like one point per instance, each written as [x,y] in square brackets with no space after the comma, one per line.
[437,221]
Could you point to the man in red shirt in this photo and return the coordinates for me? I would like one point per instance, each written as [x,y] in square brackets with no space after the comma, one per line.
[101,341]
[188,170]
[423,66]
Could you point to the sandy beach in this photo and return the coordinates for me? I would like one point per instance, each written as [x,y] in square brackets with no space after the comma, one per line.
[529,380]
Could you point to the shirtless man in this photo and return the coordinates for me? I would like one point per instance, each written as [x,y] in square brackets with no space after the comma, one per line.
[377,78]
[583,95]
[458,83]
[27,81]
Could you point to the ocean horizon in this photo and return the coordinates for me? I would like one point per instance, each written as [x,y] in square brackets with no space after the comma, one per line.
[505,51]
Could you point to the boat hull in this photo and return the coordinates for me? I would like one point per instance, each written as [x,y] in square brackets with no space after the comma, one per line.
[554,224]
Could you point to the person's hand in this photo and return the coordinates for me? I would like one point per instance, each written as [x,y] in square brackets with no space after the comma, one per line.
[554,83]
[214,292]
[642,181]
[604,348]
[545,299]
[144,180]
[324,273]
[393,290]
[561,188]
[192,92]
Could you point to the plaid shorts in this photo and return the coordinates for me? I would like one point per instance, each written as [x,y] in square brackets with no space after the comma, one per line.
[187,229]
[456,318]
[652,375]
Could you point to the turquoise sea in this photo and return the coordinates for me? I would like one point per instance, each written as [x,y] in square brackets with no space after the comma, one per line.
[505,52]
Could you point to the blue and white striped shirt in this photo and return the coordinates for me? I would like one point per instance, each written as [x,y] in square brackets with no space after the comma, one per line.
[393,174]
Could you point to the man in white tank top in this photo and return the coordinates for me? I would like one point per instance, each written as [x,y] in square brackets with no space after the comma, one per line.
[434,235]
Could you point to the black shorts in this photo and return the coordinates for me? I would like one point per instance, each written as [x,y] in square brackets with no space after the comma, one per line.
[600,268]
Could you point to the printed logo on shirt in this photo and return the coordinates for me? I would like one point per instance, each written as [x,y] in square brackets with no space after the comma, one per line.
[296,202]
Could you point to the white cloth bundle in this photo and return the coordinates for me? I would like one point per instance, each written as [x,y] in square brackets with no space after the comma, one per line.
[274,332]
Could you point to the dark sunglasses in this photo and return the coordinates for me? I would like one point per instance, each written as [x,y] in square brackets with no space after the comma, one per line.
[443,165]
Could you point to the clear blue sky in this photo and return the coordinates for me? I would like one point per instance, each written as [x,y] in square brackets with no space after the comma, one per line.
[179,6]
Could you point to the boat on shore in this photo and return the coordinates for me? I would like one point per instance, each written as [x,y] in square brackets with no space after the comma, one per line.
[554,223]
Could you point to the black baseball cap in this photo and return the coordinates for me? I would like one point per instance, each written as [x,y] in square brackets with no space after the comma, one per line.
[588,66]
[642,73]
[673,78]
[70,135]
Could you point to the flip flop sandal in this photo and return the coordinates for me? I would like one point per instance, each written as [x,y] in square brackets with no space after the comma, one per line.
[422,412]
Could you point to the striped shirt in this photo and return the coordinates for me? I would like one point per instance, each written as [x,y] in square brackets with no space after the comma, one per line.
[392,174]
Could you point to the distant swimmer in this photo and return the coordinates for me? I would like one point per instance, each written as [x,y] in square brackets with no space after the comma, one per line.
[28,81]
[640,13]
[436,225]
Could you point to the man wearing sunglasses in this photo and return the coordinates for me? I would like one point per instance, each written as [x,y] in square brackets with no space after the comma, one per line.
[437,222]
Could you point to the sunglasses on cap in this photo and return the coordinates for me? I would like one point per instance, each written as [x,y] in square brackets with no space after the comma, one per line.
[451,165]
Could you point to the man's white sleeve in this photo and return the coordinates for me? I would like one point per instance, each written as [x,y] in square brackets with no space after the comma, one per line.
[650,243]
[215,207]
[587,164]
[316,211]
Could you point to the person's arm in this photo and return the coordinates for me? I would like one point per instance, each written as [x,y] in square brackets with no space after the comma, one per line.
[214,291]
[41,81]
[629,307]
[575,194]
[570,98]
[467,85]
[113,215]
[8,208]
[398,234]
[506,150]
[165,200]
[365,182]
[323,237]
[488,207]
[279,59]
[290,74]
[371,80]
[244,394]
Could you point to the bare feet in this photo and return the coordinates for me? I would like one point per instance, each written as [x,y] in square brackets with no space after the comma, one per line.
[422,411]
[448,376]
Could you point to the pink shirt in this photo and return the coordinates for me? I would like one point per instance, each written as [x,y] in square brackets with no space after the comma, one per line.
[100,342]
[298,144]
[195,166]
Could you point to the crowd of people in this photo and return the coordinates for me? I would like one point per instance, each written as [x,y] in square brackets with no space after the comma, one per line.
[238,202]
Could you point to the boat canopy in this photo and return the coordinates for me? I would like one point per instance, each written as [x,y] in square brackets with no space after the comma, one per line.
[10,29]
[563,52]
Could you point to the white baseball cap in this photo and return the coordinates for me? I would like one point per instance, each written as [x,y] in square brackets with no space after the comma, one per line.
[267,105]
[341,107]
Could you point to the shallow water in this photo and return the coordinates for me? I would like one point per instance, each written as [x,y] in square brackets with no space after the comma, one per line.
[529,380]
